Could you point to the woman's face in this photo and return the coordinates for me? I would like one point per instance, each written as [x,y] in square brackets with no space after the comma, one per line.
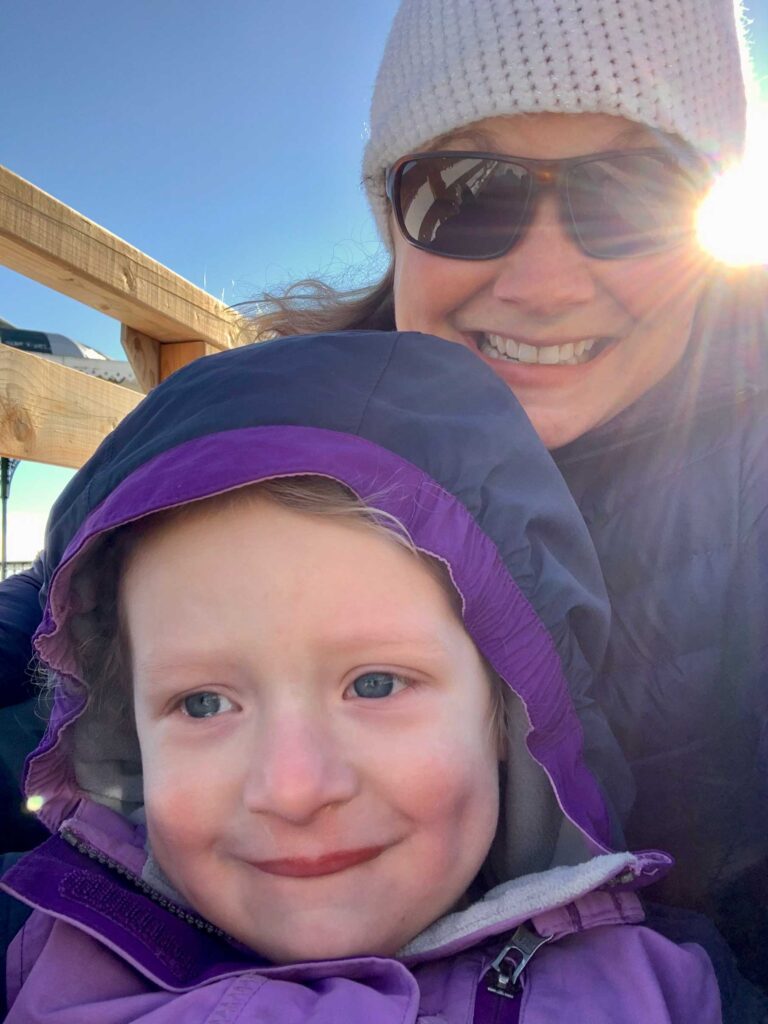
[546,292]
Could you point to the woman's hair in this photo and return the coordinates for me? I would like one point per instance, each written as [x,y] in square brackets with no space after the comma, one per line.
[98,633]
[312,306]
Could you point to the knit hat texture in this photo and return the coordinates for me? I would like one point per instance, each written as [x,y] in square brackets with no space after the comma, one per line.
[674,65]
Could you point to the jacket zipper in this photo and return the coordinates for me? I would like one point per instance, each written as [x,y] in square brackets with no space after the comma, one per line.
[503,978]
[82,847]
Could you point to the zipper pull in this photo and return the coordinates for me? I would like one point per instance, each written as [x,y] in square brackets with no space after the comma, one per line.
[506,970]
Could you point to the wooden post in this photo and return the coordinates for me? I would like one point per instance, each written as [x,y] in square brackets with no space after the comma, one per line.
[143,355]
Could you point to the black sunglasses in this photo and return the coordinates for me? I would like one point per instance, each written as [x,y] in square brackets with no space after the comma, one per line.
[477,206]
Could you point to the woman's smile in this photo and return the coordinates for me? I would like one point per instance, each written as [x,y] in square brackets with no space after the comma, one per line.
[544,363]
[542,353]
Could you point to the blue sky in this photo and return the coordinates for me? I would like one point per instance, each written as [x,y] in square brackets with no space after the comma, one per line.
[223,139]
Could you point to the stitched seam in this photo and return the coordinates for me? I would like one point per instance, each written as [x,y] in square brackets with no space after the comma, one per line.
[575,917]
[376,384]
[619,907]
[22,955]
[236,998]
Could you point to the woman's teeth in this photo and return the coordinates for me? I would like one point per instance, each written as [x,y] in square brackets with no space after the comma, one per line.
[572,354]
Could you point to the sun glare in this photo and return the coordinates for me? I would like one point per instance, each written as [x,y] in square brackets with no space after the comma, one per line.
[26,533]
[733,219]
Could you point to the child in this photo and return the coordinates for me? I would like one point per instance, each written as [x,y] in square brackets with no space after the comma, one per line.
[641,364]
[320,630]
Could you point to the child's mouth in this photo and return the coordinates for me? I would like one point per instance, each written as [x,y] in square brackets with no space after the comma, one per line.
[497,346]
[314,867]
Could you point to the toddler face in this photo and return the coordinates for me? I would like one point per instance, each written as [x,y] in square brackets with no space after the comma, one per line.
[320,772]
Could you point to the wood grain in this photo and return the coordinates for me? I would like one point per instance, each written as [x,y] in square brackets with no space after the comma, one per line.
[51,413]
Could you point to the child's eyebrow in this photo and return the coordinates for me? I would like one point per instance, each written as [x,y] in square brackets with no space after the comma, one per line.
[211,664]
[366,642]
[375,645]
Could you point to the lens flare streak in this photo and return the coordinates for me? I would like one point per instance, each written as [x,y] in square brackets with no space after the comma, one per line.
[732,223]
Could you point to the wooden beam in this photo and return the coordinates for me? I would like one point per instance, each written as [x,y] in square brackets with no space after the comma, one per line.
[143,355]
[51,243]
[51,413]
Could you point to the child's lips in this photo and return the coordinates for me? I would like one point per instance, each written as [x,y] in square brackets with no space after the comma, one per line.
[314,867]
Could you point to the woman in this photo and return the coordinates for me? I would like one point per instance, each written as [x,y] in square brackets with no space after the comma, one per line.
[555,241]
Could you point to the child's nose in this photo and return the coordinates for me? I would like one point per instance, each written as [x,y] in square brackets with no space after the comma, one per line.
[299,768]
[545,274]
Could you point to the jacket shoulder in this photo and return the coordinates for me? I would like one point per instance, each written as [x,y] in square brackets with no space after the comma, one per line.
[46,980]
[621,972]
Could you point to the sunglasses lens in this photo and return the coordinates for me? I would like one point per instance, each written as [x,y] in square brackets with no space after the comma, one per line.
[462,206]
[630,204]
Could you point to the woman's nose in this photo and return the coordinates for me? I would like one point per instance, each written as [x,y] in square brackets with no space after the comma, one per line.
[545,274]
[298,768]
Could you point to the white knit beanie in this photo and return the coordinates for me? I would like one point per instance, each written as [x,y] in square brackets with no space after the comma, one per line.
[674,65]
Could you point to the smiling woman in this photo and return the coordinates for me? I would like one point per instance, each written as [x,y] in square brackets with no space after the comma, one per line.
[577,336]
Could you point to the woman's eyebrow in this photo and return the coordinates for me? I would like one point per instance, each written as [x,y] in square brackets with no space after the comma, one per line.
[632,133]
[472,138]
[479,139]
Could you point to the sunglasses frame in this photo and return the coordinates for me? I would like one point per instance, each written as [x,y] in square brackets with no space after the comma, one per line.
[546,175]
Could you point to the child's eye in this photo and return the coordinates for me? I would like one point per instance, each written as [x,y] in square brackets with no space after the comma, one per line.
[376,684]
[205,705]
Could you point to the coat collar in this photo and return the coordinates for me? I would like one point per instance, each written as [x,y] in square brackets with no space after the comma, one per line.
[179,951]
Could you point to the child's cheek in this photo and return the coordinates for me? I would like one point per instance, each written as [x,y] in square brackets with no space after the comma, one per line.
[182,803]
[452,790]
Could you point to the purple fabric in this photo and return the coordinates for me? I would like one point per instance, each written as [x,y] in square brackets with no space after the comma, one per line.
[524,656]
[493,1009]
[596,975]
[150,962]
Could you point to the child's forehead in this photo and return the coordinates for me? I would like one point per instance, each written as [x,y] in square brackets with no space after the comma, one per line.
[257,591]
[266,517]
[259,546]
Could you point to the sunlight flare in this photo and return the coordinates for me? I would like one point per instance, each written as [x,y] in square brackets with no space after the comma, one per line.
[733,219]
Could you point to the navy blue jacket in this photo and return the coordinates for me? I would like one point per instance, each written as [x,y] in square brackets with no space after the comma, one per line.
[675,494]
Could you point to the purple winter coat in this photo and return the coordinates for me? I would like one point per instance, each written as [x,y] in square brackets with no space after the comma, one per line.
[422,430]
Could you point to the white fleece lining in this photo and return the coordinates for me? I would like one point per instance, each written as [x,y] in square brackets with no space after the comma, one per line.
[520,899]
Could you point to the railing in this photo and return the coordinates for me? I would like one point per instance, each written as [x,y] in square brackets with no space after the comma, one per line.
[51,413]
[9,568]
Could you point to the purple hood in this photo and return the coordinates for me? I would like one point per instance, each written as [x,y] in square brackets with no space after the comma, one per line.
[424,432]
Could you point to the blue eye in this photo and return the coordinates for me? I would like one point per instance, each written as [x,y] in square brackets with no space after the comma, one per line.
[376,684]
[205,704]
